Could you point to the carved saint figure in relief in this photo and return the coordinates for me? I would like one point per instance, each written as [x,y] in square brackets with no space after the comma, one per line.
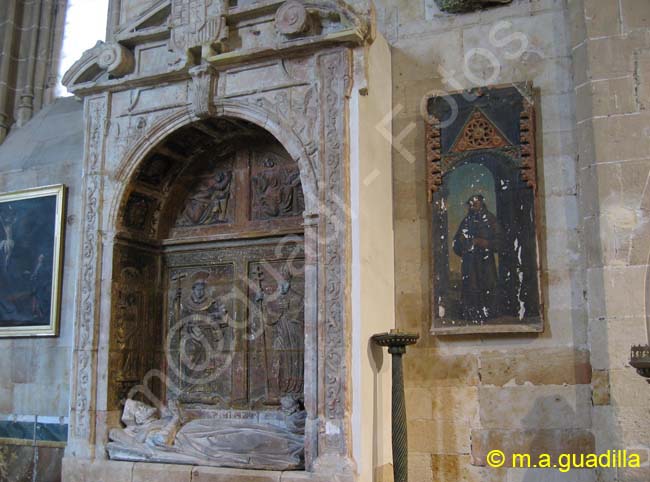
[277,192]
[205,329]
[283,315]
[209,202]
[477,241]
[203,323]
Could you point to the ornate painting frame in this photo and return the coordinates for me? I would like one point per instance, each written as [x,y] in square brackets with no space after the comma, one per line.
[486,230]
[31,261]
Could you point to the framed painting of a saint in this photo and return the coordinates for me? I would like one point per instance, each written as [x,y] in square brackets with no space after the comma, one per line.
[482,186]
[31,241]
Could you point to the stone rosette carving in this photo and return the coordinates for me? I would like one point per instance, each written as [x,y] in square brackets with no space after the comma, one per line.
[461,6]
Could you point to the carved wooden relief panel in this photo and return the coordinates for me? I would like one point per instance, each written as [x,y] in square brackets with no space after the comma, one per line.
[136,341]
[238,190]
[236,324]
[209,201]
[275,187]
[485,231]
[277,329]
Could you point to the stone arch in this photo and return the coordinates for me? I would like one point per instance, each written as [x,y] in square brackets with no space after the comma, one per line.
[126,181]
[279,128]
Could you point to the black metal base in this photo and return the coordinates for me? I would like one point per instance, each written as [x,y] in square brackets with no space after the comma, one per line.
[640,359]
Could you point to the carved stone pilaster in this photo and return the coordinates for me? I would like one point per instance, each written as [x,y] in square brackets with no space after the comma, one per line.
[204,81]
[336,75]
[85,353]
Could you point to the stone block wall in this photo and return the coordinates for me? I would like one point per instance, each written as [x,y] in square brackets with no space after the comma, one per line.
[569,389]
[471,394]
[35,377]
[611,45]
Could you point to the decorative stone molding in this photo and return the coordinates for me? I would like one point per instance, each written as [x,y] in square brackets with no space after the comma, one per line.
[218,34]
[292,18]
[84,381]
[116,59]
[297,90]
[462,6]
[204,78]
[112,59]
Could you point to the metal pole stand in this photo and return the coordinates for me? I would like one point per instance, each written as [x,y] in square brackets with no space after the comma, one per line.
[397,341]
[640,359]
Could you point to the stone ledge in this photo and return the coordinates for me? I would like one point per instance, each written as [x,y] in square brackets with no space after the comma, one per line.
[79,470]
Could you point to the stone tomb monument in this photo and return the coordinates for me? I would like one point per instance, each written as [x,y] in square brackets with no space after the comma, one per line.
[224,144]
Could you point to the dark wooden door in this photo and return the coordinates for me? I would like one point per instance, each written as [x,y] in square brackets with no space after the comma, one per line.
[235,283]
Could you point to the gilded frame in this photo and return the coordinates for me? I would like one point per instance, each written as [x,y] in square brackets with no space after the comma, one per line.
[56,209]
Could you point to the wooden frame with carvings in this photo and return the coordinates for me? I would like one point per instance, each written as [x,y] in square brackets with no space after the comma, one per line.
[492,126]
[38,277]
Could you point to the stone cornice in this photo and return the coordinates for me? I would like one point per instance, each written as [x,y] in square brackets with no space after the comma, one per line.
[244,34]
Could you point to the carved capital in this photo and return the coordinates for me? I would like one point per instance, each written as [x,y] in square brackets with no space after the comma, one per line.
[204,81]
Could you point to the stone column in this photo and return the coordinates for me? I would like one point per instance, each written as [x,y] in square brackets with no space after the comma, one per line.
[31,41]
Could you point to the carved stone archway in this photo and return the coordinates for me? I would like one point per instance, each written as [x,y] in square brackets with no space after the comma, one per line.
[211,199]
[298,89]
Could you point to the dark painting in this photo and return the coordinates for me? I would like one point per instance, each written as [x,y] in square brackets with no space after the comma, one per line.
[30,241]
[482,185]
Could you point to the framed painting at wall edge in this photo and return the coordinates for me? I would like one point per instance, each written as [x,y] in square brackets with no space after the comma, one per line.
[31,252]
[485,230]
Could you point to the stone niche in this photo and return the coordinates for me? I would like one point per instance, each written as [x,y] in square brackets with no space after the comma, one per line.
[223,145]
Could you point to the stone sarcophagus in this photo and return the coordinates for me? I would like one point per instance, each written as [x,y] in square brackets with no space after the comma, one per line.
[224,142]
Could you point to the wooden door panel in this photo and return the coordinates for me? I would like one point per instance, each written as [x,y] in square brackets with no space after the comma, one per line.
[236,319]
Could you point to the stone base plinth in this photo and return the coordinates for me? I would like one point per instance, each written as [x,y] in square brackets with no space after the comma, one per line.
[80,470]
